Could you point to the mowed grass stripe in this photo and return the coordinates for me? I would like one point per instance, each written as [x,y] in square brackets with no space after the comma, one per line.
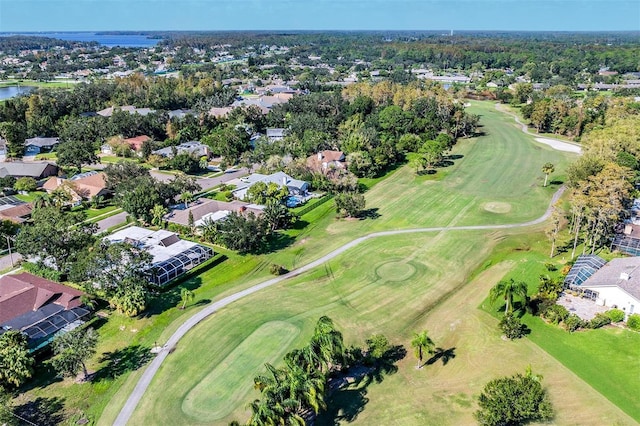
[220,391]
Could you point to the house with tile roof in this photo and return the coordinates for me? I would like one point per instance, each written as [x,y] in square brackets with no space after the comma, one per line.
[38,307]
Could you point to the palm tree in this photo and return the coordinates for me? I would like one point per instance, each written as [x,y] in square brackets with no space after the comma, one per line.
[186,198]
[157,214]
[42,200]
[326,344]
[209,230]
[186,295]
[422,344]
[507,290]
[547,169]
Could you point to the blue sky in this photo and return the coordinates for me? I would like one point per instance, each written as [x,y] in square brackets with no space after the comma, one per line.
[524,15]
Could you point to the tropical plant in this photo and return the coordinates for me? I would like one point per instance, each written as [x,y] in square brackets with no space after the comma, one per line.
[507,290]
[422,345]
[512,327]
[157,214]
[186,295]
[547,169]
[15,360]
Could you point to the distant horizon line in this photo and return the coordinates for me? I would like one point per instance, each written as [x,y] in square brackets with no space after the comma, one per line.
[442,30]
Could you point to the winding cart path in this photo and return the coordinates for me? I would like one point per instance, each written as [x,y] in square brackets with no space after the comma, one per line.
[150,371]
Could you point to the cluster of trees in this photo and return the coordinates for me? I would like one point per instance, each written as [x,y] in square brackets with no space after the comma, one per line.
[63,246]
[602,180]
[138,193]
[296,392]
[248,233]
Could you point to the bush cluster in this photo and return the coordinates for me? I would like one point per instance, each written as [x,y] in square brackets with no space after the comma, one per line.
[633,322]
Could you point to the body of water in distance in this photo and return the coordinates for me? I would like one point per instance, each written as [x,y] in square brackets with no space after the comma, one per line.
[107,40]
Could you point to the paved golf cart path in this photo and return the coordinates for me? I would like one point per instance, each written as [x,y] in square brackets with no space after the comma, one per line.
[150,371]
[556,144]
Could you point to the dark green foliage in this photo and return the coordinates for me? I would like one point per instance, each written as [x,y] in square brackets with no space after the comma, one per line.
[138,196]
[72,350]
[42,271]
[512,327]
[349,204]
[261,193]
[56,237]
[122,172]
[289,393]
[185,163]
[600,320]
[555,314]
[246,234]
[277,216]
[14,133]
[627,160]
[75,153]
[573,322]
[512,401]
[633,322]
[615,315]
[377,345]
[15,360]
[118,271]
[276,269]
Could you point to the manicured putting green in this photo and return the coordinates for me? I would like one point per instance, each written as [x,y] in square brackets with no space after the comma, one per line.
[217,395]
[395,271]
[497,207]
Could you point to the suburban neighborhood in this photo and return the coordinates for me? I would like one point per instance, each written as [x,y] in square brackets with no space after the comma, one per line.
[320,228]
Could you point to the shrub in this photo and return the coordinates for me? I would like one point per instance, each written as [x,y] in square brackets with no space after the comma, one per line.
[565,270]
[377,346]
[516,400]
[615,315]
[555,314]
[42,271]
[512,327]
[573,323]
[633,322]
[276,269]
[600,320]
[551,267]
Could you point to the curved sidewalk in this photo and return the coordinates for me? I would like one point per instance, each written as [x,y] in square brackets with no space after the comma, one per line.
[150,371]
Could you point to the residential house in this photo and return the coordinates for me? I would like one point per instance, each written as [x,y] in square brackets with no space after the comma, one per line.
[194,148]
[15,210]
[205,209]
[181,113]
[275,134]
[134,143]
[38,307]
[172,256]
[37,145]
[615,284]
[84,186]
[108,112]
[35,169]
[296,187]
[327,160]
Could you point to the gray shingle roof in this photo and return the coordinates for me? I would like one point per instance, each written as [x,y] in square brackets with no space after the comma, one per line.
[622,272]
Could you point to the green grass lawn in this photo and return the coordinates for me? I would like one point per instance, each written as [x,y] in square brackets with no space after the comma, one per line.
[603,358]
[391,285]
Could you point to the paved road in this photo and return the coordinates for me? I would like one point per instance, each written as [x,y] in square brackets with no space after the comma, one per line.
[150,371]
[205,183]
[114,220]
